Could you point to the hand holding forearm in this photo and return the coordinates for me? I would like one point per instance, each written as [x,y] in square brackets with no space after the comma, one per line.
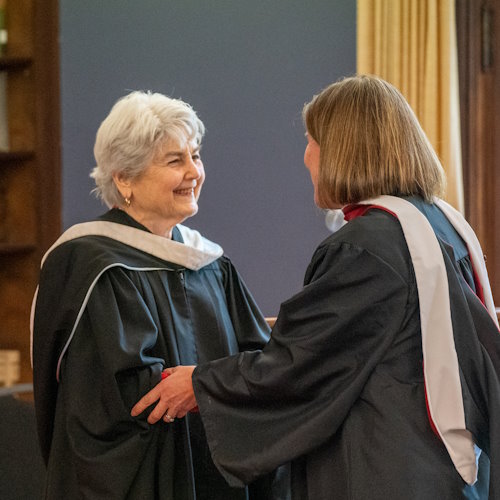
[174,396]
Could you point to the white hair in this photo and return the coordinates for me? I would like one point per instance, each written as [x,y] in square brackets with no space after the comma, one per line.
[133,132]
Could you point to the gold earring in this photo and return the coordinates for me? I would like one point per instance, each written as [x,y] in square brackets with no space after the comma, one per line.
[127,201]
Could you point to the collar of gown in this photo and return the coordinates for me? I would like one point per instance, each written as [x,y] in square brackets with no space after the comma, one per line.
[195,253]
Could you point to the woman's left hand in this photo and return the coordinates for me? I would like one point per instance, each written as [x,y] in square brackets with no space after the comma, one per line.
[175,396]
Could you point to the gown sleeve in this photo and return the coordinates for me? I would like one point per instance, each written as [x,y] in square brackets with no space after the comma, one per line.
[107,368]
[261,409]
[250,326]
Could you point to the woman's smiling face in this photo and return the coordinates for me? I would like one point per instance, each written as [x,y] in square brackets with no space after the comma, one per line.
[167,192]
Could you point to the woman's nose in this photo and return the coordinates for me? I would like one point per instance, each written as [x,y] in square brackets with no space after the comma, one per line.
[193,169]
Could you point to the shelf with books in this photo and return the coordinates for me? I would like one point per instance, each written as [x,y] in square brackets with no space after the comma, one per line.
[30,208]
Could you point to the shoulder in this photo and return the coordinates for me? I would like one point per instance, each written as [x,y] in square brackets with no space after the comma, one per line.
[87,251]
[221,266]
[374,238]
[77,260]
[377,232]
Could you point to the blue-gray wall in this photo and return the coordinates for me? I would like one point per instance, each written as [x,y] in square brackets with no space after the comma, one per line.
[247,67]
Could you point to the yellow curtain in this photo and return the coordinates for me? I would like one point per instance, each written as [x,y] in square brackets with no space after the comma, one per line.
[412,44]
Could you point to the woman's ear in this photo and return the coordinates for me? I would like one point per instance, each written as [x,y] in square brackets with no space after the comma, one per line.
[123,184]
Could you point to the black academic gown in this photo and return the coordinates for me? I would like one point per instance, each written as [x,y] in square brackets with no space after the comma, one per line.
[141,315]
[339,389]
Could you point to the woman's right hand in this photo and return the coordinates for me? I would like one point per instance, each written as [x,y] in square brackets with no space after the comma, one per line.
[174,394]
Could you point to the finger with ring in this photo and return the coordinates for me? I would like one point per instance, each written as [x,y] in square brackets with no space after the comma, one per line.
[168,418]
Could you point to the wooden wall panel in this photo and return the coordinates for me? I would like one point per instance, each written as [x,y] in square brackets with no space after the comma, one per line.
[477,23]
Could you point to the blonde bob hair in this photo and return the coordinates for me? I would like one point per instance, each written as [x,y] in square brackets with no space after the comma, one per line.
[134,132]
[371,144]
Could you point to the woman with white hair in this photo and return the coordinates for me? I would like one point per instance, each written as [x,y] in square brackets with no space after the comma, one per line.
[124,296]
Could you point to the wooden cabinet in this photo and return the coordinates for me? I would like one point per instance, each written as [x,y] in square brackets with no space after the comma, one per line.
[30,199]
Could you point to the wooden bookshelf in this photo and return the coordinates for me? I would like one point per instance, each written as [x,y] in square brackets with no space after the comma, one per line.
[30,198]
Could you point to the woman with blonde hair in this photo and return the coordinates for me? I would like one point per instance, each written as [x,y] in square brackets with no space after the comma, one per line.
[381,377]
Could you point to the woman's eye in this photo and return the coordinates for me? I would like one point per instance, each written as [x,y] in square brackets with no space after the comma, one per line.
[174,161]
[196,157]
